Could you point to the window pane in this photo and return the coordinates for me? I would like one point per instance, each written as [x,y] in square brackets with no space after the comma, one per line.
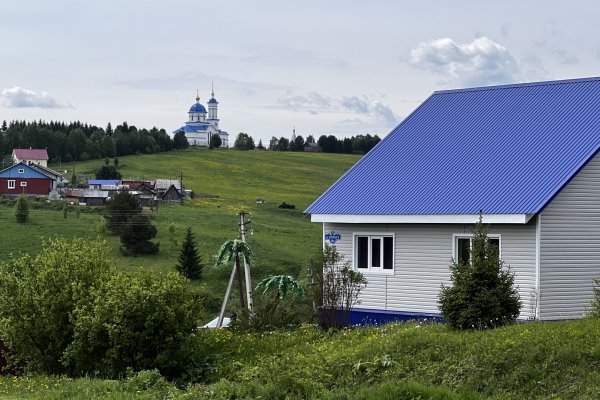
[494,246]
[388,253]
[362,252]
[464,250]
[375,253]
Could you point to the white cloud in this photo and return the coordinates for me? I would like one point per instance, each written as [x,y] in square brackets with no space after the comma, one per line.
[17,97]
[353,103]
[315,103]
[312,102]
[480,62]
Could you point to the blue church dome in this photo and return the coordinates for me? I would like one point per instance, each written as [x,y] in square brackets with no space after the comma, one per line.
[197,108]
[212,100]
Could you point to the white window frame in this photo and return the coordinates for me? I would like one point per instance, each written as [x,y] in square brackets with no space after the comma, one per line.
[21,170]
[23,184]
[456,236]
[11,183]
[370,269]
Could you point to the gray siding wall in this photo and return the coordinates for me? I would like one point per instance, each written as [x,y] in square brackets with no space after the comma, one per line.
[422,256]
[570,246]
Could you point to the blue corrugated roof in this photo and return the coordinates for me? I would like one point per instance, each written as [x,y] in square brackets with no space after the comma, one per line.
[111,182]
[502,149]
[28,172]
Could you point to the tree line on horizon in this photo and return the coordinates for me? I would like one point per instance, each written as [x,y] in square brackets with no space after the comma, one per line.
[77,141]
[360,144]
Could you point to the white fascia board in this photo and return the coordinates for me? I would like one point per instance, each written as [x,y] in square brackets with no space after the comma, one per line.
[422,219]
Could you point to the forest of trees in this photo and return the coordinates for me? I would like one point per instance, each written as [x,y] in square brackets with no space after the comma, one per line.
[76,141]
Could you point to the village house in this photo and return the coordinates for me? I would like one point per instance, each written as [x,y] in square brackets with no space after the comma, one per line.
[25,179]
[30,156]
[526,155]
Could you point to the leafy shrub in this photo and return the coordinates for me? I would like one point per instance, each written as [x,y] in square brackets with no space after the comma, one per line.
[335,287]
[68,311]
[137,321]
[595,305]
[39,296]
[482,294]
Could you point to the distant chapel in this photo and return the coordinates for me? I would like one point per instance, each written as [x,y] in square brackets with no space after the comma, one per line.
[199,129]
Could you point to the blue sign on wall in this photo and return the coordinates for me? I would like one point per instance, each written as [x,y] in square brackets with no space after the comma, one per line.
[332,237]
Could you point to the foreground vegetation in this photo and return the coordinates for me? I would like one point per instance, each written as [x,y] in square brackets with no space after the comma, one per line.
[527,361]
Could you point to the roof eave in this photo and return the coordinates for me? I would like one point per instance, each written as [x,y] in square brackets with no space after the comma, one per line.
[422,218]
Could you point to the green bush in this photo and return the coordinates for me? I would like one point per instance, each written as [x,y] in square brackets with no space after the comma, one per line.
[68,311]
[39,296]
[137,321]
[482,294]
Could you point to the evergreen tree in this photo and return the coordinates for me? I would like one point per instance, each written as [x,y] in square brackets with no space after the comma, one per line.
[190,264]
[120,210]
[260,145]
[108,172]
[215,141]
[109,129]
[22,209]
[180,142]
[136,235]
[482,294]
[244,142]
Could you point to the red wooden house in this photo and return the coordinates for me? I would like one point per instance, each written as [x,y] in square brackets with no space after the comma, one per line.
[23,179]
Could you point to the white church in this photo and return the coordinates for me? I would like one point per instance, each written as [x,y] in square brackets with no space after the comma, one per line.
[199,129]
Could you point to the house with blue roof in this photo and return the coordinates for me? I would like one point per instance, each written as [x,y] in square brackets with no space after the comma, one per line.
[526,155]
[199,128]
[25,179]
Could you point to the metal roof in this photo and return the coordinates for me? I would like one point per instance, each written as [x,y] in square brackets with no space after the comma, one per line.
[502,149]
[28,172]
[165,184]
[31,154]
[113,182]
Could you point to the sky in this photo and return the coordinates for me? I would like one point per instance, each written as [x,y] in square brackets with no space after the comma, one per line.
[324,67]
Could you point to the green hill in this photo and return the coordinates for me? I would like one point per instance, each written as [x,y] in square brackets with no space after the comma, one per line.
[225,182]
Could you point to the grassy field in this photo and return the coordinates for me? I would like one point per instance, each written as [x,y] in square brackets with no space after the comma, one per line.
[225,181]
[558,360]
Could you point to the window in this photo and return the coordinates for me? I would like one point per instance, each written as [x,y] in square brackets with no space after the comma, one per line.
[21,170]
[23,184]
[463,243]
[374,253]
[11,184]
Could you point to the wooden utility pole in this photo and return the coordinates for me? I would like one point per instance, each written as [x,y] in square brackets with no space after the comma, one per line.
[243,223]
[226,299]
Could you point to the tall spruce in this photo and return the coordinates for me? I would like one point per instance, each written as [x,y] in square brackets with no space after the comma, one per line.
[22,210]
[190,263]
[483,294]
